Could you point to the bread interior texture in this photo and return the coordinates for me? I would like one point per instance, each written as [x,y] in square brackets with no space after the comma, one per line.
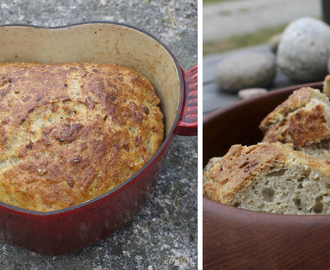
[318,150]
[295,190]
[269,178]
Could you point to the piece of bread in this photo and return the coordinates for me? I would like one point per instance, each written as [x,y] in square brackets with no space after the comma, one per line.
[71,132]
[301,123]
[319,150]
[270,178]
[326,86]
[303,119]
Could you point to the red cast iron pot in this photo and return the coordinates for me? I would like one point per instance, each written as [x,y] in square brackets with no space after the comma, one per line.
[77,227]
[235,238]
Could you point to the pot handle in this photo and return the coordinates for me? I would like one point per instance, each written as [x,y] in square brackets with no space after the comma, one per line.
[187,125]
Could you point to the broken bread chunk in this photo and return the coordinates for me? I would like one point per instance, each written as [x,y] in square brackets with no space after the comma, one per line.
[319,150]
[303,119]
[302,123]
[326,86]
[269,177]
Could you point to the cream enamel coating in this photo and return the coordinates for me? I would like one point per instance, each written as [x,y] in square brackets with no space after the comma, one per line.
[98,43]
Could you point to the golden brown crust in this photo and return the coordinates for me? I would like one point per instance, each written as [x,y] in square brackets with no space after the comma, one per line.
[276,132]
[296,100]
[242,165]
[301,119]
[237,167]
[308,127]
[70,132]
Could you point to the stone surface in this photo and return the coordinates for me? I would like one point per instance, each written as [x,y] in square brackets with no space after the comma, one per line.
[245,70]
[304,50]
[328,66]
[163,235]
[274,41]
[213,98]
[251,92]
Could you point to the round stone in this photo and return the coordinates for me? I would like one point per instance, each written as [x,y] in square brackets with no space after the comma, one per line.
[329,66]
[251,92]
[274,41]
[304,50]
[245,70]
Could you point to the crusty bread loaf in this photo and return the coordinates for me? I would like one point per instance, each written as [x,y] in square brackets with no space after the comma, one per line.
[270,178]
[303,119]
[71,132]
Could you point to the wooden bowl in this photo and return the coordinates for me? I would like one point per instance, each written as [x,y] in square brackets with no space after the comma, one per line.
[242,239]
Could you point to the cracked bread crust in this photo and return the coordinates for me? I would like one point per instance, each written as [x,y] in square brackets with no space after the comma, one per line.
[303,119]
[237,169]
[71,132]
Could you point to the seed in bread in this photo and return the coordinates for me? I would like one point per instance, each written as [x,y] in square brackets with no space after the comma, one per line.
[270,178]
[71,132]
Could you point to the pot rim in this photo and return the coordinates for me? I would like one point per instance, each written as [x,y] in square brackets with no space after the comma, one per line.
[161,148]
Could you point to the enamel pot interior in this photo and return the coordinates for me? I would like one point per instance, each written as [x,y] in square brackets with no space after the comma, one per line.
[99,43]
[241,239]
[80,226]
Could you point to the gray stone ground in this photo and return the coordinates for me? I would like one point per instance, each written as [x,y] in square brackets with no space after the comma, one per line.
[163,235]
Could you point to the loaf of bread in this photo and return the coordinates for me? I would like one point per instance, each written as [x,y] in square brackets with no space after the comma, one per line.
[268,177]
[71,132]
